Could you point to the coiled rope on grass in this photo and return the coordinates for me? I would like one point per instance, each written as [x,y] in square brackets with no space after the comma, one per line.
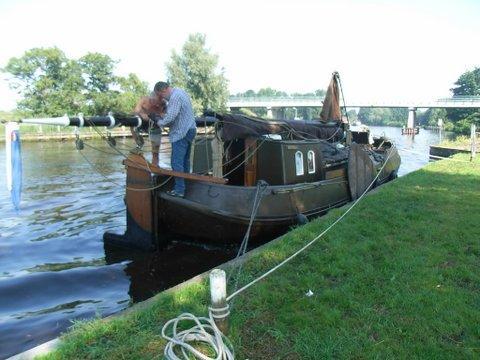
[205,332]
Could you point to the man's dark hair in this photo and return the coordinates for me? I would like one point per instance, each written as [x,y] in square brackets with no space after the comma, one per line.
[161,85]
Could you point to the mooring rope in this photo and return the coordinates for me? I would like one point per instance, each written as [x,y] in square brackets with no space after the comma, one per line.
[206,331]
[314,240]
[261,187]
[181,339]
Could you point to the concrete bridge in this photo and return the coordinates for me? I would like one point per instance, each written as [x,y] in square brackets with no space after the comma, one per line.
[315,101]
[275,105]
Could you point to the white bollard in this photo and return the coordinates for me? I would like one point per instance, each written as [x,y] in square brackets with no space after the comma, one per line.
[218,294]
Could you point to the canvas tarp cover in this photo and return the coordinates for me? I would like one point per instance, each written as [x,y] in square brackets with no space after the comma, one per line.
[236,126]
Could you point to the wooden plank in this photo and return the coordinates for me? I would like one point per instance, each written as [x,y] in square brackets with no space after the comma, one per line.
[139,162]
[361,171]
[139,203]
[250,176]
[331,174]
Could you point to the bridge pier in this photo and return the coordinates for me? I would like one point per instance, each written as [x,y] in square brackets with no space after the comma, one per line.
[411,129]
[276,113]
[412,117]
[269,113]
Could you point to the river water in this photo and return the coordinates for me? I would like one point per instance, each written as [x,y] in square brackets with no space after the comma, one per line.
[54,267]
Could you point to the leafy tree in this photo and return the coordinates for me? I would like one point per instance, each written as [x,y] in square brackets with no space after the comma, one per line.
[352,116]
[383,116]
[463,126]
[195,70]
[48,82]
[52,85]
[431,116]
[468,84]
[269,92]
[306,113]
[131,88]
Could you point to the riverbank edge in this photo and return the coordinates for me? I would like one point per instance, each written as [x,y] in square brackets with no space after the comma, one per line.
[446,151]
[51,345]
[196,288]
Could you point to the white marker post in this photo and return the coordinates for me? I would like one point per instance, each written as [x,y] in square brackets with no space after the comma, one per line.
[473,137]
[218,294]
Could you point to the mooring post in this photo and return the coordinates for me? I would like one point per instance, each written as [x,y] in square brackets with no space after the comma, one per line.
[218,294]
[474,142]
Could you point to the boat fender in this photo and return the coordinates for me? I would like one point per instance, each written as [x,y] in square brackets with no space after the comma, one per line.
[393,175]
[301,219]
[79,144]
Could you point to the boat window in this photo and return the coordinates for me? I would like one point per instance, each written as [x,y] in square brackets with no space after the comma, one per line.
[299,163]
[311,161]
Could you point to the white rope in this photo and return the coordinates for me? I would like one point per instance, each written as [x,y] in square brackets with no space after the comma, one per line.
[208,333]
[314,240]
[205,332]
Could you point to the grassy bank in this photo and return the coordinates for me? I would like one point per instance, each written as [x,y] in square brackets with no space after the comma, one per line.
[460,142]
[397,278]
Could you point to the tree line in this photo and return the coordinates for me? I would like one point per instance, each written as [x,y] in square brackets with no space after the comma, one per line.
[51,84]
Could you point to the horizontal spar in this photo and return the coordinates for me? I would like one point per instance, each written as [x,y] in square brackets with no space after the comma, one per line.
[139,162]
[109,121]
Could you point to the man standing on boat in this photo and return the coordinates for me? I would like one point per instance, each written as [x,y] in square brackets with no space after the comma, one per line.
[148,107]
[181,120]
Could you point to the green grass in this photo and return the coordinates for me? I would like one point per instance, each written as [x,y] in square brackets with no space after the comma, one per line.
[460,142]
[399,277]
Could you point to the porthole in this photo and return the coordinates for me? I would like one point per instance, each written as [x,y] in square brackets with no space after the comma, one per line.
[311,162]
[299,163]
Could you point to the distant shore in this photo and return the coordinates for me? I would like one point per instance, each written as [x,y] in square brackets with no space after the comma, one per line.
[58,133]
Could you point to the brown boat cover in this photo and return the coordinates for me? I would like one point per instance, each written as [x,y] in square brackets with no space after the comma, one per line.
[331,104]
[237,126]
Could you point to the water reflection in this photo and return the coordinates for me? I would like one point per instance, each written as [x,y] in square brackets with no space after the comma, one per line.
[54,267]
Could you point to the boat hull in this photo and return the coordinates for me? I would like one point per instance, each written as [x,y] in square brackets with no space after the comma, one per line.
[220,214]
[215,213]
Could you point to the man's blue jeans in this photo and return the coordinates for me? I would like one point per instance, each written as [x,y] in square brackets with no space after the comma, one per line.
[181,158]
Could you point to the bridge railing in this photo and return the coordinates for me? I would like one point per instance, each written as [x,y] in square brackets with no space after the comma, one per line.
[306,101]
[460,98]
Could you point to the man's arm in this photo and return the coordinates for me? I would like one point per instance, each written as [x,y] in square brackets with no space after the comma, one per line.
[173,108]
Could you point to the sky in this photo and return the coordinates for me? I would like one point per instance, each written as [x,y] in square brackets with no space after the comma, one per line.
[394,50]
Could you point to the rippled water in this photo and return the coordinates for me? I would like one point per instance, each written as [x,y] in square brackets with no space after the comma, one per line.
[54,267]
